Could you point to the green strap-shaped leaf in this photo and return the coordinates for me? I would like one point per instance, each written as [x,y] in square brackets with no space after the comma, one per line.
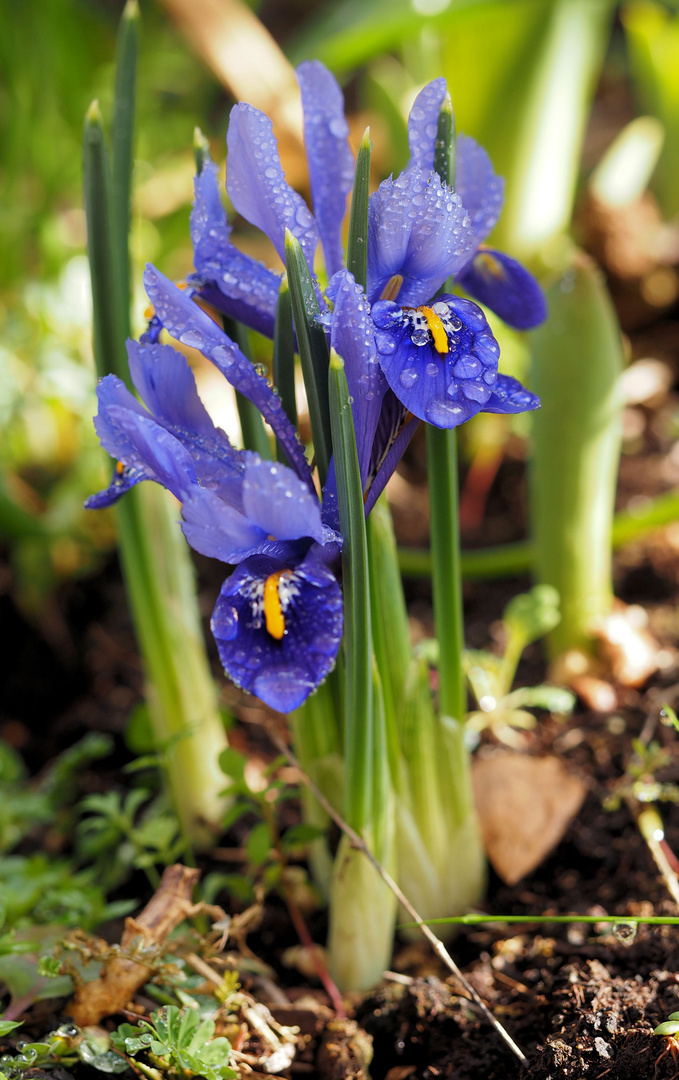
[356,588]
[122,133]
[284,358]
[313,349]
[109,318]
[445,149]
[357,250]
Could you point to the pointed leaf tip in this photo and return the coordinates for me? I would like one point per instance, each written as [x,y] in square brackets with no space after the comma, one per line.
[93,114]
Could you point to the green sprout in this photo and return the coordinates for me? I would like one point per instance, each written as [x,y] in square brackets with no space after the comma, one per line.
[525,619]
[177,1043]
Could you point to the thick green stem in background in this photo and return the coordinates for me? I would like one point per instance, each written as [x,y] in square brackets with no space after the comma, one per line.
[577,362]
[558,82]
[653,45]
[156,563]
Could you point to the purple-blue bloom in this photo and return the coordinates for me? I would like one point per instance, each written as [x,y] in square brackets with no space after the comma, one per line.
[421,233]
[281,670]
[282,609]
[497,280]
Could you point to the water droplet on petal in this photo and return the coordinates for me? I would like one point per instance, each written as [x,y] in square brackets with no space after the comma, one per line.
[408,378]
[193,338]
[419,336]
[444,414]
[338,127]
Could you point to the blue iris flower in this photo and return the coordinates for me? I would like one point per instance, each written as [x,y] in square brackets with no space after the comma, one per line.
[278,619]
[421,233]
[490,276]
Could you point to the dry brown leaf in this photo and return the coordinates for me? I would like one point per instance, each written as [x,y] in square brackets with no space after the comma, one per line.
[243,55]
[525,805]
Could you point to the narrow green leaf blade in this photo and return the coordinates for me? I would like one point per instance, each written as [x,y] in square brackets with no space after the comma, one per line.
[284,358]
[201,150]
[357,250]
[313,350]
[109,320]
[445,149]
[122,143]
[357,624]
[446,569]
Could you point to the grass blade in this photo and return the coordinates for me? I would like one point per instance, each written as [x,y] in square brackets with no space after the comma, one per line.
[357,249]
[313,350]
[357,624]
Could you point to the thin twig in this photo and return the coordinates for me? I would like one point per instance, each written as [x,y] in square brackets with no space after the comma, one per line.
[436,944]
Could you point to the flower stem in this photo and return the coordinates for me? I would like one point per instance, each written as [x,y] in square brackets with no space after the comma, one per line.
[446,570]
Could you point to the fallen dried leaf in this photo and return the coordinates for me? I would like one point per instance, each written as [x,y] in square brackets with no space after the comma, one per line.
[525,805]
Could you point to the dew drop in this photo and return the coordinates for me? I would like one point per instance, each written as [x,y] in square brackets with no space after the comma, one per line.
[338,127]
[419,336]
[408,378]
[444,414]
[221,355]
[625,931]
[467,367]
[193,338]
[432,368]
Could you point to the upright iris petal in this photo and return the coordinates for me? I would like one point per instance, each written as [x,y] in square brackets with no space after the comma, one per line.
[236,284]
[440,361]
[257,186]
[417,229]
[190,325]
[278,627]
[423,123]
[331,162]
[352,337]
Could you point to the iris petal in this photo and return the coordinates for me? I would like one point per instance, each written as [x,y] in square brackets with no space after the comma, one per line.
[165,381]
[448,387]
[418,229]
[481,190]
[122,480]
[186,322]
[353,339]
[154,449]
[506,287]
[279,502]
[509,396]
[423,123]
[218,530]
[331,162]
[112,391]
[256,184]
[238,285]
[281,672]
